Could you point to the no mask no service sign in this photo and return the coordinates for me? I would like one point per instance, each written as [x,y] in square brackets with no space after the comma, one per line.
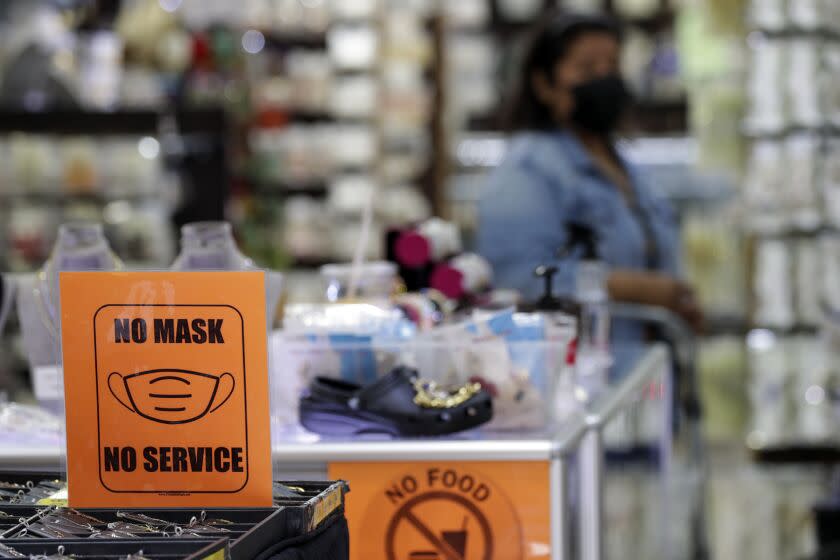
[166,389]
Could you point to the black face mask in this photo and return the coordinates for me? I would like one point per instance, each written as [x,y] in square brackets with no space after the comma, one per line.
[600,103]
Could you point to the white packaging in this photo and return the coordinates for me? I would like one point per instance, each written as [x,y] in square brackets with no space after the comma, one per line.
[478,274]
[811,399]
[353,145]
[636,8]
[768,14]
[402,205]
[831,181]
[346,235]
[305,230]
[802,72]
[348,193]
[521,10]
[444,237]
[353,47]
[829,79]
[805,13]
[765,86]
[830,275]
[772,284]
[466,13]
[353,97]
[768,388]
[353,9]
[800,180]
[808,287]
[763,185]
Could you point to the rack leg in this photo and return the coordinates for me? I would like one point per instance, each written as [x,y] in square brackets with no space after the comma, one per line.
[591,473]
[560,522]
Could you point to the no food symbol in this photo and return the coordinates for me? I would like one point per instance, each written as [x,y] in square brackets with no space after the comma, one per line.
[444,514]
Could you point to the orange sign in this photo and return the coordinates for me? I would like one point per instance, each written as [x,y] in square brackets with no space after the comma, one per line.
[166,389]
[447,511]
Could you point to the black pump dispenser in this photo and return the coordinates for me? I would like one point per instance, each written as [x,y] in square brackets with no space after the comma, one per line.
[583,243]
[549,301]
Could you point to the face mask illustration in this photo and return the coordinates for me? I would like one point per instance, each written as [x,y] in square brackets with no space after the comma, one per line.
[171,396]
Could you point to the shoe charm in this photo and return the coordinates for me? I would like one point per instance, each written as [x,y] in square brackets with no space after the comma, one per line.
[431,395]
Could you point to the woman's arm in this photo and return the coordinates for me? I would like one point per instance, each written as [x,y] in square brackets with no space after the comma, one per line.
[654,288]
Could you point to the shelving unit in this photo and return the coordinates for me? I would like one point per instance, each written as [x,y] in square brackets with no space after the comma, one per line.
[195,133]
[790,186]
[276,182]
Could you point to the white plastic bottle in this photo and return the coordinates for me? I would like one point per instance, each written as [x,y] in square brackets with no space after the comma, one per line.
[79,247]
[211,246]
[592,361]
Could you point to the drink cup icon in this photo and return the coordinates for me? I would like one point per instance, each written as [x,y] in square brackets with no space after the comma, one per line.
[457,540]
[171,396]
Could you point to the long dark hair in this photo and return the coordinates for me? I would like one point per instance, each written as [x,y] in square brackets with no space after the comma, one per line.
[547,44]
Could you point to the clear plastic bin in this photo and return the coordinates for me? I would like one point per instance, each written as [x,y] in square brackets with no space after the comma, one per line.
[530,381]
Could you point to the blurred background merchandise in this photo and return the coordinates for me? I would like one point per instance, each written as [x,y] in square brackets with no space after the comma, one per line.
[285,117]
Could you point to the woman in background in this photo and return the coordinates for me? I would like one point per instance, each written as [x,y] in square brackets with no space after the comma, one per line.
[562,167]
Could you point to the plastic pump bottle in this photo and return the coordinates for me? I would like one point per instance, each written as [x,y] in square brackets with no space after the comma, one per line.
[79,247]
[559,311]
[593,359]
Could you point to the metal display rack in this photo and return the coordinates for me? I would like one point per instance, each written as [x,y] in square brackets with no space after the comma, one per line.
[653,365]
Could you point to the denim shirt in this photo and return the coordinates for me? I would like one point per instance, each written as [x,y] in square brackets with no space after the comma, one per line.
[546,180]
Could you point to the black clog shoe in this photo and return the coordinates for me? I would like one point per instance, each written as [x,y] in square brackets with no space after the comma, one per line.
[399,404]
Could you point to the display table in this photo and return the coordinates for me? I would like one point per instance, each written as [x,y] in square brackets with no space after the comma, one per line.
[500,461]
[510,491]
[510,461]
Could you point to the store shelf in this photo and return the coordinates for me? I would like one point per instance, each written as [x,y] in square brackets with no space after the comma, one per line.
[651,116]
[792,31]
[652,23]
[295,39]
[654,116]
[310,263]
[793,330]
[717,324]
[65,121]
[69,121]
[271,188]
[306,116]
[68,197]
[797,454]
[315,190]
[826,130]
